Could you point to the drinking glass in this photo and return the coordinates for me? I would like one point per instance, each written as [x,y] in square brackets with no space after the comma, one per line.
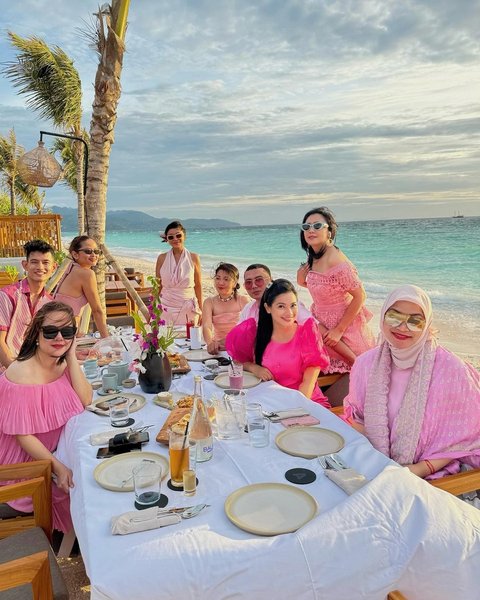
[258,431]
[235,375]
[179,451]
[230,414]
[119,412]
[147,477]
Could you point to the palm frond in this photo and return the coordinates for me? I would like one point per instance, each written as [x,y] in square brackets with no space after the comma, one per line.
[48,79]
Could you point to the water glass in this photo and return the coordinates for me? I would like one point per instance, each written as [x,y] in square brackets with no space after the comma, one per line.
[258,431]
[230,414]
[147,477]
[90,368]
[119,412]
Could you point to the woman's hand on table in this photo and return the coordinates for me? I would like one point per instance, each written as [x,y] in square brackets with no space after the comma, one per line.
[213,347]
[262,373]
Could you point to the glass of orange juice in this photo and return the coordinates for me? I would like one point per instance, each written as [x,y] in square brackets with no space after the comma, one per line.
[179,450]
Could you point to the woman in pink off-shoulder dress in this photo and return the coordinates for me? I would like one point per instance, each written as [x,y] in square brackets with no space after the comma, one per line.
[337,292]
[39,392]
[279,348]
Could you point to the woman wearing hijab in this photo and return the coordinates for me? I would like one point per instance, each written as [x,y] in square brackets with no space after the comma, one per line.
[415,401]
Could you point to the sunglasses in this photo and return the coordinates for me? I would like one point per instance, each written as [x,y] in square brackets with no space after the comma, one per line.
[172,237]
[90,251]
[317,226]
[259,282]
[393,318]
[50,332]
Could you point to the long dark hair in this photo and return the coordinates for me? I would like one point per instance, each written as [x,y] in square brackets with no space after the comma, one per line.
[265,322]
[30,346]
[332,228]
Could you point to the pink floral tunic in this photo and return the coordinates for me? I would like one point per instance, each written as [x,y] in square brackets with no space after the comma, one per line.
[330,296]
[287,362]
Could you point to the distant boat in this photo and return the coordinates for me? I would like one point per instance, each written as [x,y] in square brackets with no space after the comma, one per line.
[457,215]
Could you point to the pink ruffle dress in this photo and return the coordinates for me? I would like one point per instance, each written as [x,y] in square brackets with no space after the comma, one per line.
[330,296]
[41,410]
[451,421]
[286,362]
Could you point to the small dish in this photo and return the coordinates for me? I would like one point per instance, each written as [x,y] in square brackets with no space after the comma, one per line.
[96,385]
[102,392]
[129,383]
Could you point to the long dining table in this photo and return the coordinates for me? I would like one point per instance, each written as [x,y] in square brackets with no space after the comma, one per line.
[396,532]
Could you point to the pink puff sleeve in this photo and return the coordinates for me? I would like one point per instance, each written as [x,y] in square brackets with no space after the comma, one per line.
[240,341]
[312,349]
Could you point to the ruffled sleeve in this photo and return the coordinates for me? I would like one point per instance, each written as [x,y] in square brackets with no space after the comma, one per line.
[240,341]
[350,278]
[37,408]
[313,351]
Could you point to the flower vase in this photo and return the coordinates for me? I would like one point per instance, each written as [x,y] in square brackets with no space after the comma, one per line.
[158,375]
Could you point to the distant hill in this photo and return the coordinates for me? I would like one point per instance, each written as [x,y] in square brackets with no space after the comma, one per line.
[135,220]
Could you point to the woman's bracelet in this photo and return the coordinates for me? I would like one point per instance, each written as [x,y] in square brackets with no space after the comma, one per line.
[430,466]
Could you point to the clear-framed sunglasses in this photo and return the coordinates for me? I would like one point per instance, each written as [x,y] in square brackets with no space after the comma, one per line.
[317,226]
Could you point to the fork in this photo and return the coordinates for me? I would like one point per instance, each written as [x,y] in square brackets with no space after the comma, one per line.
[337,460]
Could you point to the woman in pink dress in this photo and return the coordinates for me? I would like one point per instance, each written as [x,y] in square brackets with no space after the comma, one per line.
[337,292]
[279,348]
[415,401]
[222,312]
[39,392]
[78,285]
[180,276]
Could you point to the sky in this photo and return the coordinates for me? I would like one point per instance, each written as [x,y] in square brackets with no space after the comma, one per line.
[256,111]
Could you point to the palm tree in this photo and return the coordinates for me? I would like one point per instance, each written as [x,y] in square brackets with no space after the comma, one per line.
[49,80]
[108,40]
[21,195]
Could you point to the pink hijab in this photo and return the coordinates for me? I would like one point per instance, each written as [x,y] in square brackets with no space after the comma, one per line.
[406,357]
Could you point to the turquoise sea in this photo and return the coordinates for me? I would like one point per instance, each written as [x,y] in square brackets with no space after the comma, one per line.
[440,255]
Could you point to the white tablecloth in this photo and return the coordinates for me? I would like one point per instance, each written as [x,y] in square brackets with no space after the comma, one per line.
[395,533]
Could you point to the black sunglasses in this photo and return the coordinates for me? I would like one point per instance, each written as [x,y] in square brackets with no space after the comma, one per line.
[172,237]
[50,332]
[90,251]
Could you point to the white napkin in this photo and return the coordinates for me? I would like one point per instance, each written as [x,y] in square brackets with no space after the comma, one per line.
[348,479]
[287,414]
[102,438]
[142,520]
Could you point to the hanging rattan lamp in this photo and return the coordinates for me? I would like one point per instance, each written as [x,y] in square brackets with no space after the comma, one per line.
[39,167]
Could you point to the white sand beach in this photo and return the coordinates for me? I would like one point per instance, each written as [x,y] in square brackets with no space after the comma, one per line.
[449,333]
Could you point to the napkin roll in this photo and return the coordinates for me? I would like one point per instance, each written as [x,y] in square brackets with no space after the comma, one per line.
[288,414]
[135,521]
[348,479]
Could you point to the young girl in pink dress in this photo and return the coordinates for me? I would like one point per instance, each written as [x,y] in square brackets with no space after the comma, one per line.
[279,348]
[337,292]
[415,401]
[222,312]
[39,392]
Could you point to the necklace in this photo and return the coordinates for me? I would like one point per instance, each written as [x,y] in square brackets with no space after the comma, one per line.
[226,299]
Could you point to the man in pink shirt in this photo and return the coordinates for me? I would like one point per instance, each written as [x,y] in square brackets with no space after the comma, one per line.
[255,279]
[20,301]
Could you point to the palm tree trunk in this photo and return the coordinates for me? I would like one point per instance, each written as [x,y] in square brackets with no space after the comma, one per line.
[13,203]
[104,115]
[78,149]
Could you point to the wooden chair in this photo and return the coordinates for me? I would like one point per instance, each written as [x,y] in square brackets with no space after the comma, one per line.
[117,304]
[460,483]
[25,553]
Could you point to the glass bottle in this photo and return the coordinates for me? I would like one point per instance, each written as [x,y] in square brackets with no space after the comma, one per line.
[200,428]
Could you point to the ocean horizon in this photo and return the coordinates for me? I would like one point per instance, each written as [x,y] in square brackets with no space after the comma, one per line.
[440,255]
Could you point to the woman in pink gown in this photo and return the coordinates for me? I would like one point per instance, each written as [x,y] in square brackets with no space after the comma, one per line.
[415,401]
[39,392]
[337,292]
[180,276]
[222,312]
[279,348]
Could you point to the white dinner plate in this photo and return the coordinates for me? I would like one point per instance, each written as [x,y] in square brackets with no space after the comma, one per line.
[198,355]
[270,508]
[249,380]
[137,401]
[112,472]
[309,442]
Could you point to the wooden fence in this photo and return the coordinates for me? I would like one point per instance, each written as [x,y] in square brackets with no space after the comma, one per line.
[15,231]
